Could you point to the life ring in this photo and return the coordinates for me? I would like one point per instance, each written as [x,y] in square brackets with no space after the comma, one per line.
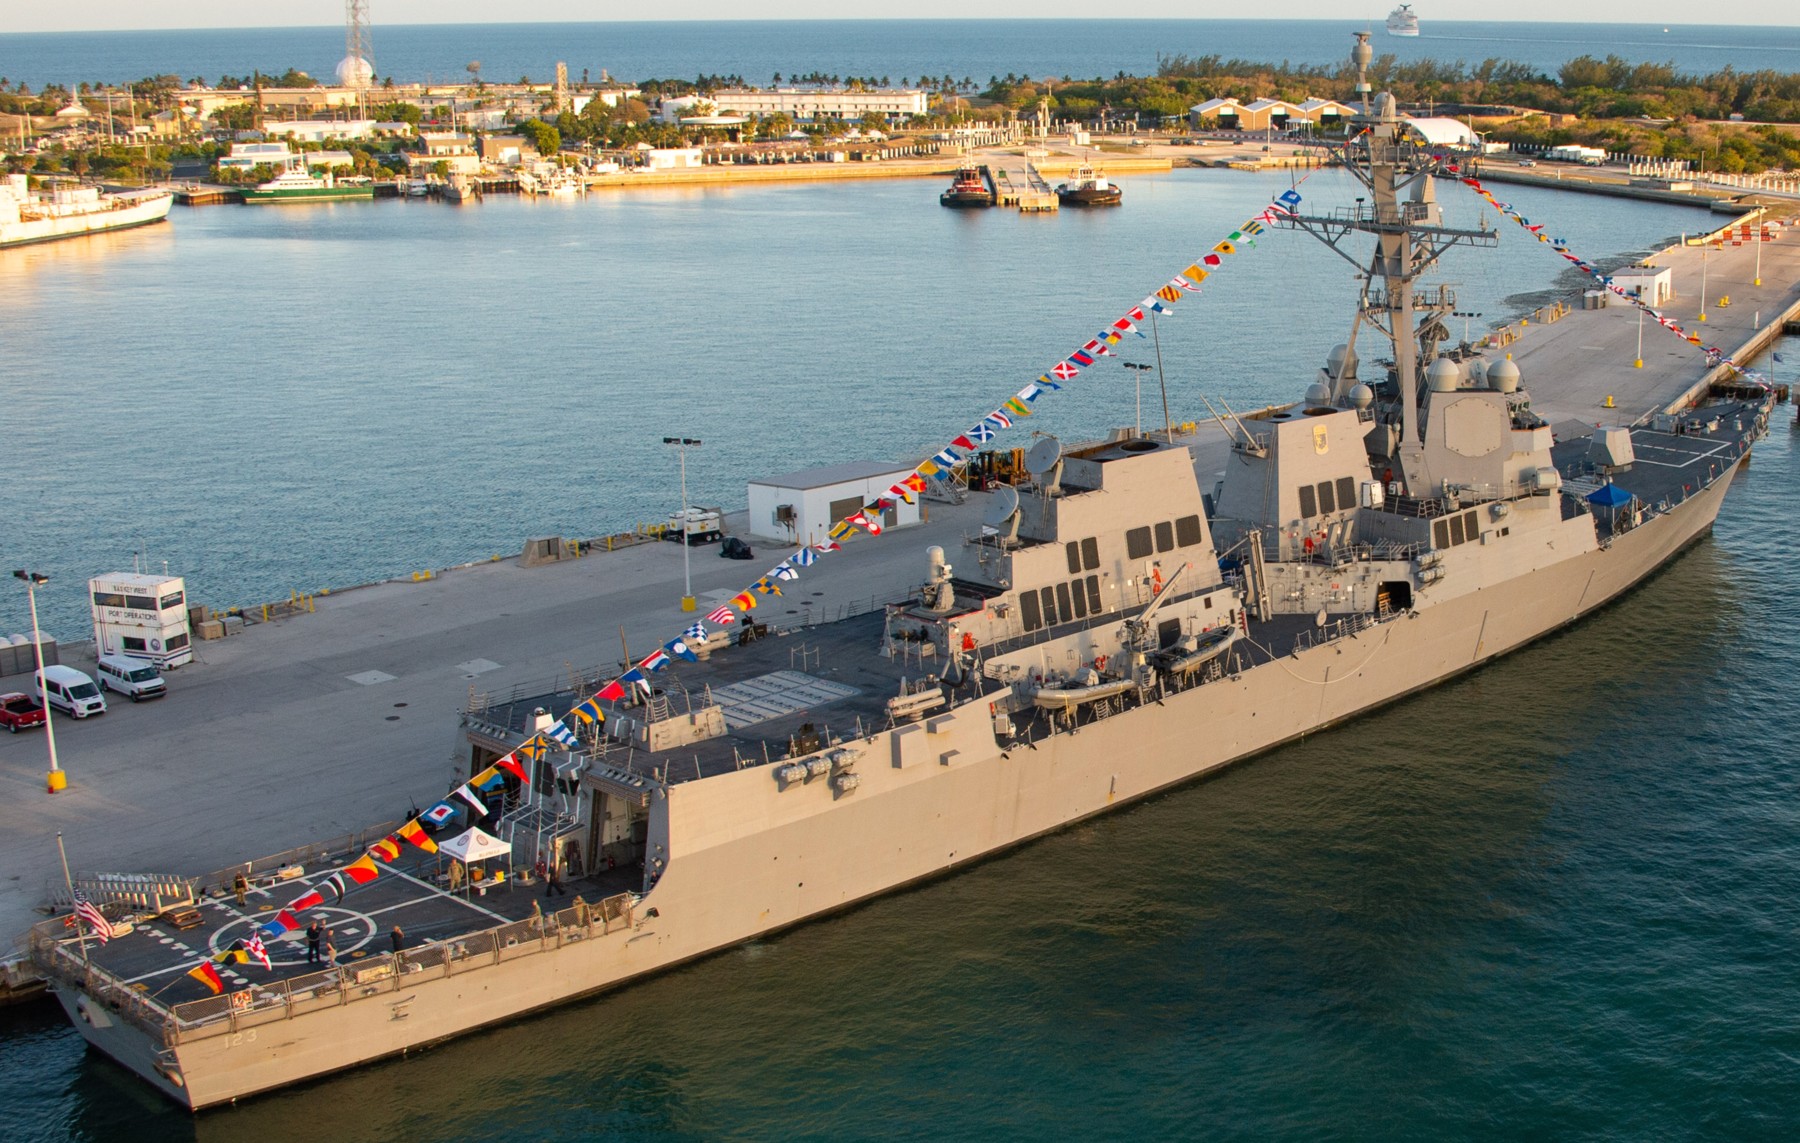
[1099,662]
[240,1000]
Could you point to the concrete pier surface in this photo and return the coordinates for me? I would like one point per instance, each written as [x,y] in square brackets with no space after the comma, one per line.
[1574,364]
[324,723]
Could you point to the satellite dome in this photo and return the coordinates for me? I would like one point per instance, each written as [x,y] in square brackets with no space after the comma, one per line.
[1504,376]
[354,71]
[1318,393]
[1443,376]
[1361,395]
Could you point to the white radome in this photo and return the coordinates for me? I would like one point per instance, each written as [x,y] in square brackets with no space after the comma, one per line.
[354,71]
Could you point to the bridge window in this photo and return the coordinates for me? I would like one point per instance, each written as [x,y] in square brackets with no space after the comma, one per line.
[1078,598]
[1327,498]
[1456,530]
[1165,536]
[1062,602]
[1309,502]
[1093,594]
[1440,533]
[1187,531]
[1047,599]
[1073,551]
[1137,543]
[1346,490]
[1472,526]
[1090,554]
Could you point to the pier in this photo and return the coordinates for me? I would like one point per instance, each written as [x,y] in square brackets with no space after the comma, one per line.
[1016,182]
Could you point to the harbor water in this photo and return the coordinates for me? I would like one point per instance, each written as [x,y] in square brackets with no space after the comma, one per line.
[1555,897]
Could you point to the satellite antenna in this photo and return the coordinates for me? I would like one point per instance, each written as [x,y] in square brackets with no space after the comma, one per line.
[1002,514]
[1044,462]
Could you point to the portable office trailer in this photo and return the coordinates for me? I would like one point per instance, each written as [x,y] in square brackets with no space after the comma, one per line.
[143,616]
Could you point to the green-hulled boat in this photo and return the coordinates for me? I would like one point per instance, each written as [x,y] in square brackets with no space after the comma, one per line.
[299,186]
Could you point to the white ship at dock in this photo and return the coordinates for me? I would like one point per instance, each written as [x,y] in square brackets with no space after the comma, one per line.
[69,212]
[1124,623]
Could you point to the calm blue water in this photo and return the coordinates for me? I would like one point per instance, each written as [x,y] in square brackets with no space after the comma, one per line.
[757,49]
[1553,899]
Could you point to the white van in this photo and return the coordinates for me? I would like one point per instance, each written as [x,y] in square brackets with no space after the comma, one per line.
[69,691]
[134,678]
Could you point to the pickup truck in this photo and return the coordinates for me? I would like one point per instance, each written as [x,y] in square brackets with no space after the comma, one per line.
[20,712]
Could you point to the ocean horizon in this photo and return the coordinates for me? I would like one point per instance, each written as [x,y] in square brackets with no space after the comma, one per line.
[895,49]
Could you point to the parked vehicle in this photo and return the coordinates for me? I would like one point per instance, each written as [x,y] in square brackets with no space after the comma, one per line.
[20,712]
[133,678]
[69,691]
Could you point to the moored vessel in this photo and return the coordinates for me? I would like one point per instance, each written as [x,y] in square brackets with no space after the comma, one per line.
[72,211]
[298,185]
[969,189]
[1087,187]
[1115,628]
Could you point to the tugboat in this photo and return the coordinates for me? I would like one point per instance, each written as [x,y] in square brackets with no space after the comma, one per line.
[969,190]
[1088,188]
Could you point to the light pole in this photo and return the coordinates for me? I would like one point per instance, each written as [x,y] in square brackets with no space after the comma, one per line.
[1703,280]
[1757,281]
[55,779]
[687,578]
[1639,363]
[1138,372]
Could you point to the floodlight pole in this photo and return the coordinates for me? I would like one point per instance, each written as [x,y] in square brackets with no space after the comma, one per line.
[687,576]
[55,780]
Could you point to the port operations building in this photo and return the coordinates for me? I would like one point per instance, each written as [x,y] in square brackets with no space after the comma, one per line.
[143,616]
[802,506]
[1654,284]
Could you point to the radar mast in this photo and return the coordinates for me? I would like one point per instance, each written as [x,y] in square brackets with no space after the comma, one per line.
[1386,155]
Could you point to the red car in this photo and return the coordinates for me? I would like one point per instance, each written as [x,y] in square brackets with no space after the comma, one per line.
[20,712]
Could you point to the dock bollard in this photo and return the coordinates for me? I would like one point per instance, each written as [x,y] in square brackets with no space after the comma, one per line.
[55,780]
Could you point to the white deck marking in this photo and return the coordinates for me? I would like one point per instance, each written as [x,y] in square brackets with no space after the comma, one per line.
[430,888]
[477,667]
[370,678]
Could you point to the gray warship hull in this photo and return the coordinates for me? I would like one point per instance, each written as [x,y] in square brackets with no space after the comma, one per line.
[755,859]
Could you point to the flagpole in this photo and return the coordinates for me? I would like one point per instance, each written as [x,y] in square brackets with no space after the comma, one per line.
[1168,421]
[80,928]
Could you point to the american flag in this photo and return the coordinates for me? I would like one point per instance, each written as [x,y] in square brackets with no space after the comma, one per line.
[90,912]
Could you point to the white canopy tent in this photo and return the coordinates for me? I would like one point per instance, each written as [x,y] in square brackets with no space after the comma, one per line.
[468,848]
[474,844]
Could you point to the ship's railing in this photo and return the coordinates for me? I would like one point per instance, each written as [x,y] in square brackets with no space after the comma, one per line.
[348,846]
[1342,628]
[365,979]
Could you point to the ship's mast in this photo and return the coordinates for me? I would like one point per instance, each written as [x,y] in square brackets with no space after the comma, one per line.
[1386,156]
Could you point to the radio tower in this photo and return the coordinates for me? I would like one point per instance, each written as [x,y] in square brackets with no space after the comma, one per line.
[562,88]
[358,66]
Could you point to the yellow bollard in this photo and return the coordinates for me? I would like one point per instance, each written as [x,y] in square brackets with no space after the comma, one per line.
[55,780]
[1609,402]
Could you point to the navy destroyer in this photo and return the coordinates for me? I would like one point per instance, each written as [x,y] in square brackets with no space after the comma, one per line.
[1126,620]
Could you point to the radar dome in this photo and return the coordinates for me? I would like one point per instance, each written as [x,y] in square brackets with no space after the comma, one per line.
[1443,376]
[354,71]
[1341,361]
[1318,393]
[1504,376]
[1361,395]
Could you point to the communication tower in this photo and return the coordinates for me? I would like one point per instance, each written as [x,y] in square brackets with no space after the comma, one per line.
[562,88]
[357,68]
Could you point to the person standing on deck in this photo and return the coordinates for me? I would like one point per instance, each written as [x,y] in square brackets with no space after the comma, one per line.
[315,935]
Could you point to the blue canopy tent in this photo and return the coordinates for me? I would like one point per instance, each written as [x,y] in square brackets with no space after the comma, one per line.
[1609,495]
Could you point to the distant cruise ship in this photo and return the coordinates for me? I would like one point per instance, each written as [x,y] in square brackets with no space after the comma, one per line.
[1402,22]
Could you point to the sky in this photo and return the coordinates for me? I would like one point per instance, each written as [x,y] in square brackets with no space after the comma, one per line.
[102,15]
